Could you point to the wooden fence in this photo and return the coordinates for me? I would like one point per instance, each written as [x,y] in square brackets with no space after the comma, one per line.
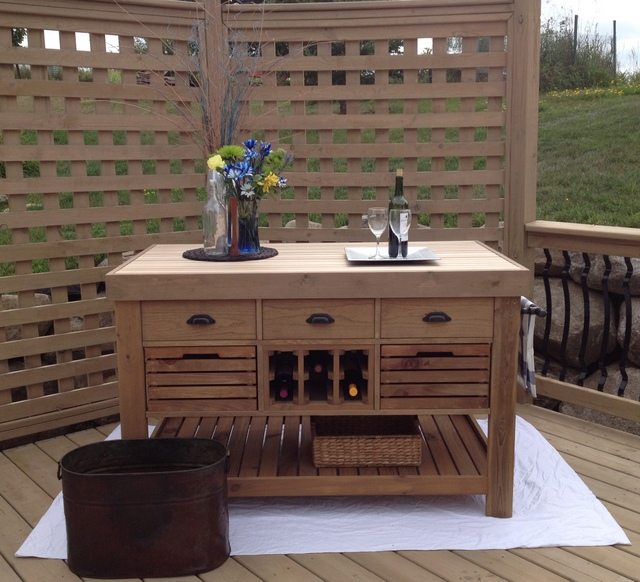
[102,147]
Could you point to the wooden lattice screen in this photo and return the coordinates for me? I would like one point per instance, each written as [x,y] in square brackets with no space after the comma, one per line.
[101,153]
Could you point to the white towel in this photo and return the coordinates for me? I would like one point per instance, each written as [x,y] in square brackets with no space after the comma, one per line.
[526,360]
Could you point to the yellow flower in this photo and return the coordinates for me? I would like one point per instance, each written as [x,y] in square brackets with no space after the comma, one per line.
[214,162]
[269,181]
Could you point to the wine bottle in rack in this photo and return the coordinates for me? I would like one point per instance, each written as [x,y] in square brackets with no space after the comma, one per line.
[353,384]
[284,384]
[317,367]
[398,201]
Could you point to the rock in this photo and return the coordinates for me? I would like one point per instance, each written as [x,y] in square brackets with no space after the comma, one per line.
[576,322]
[557,262]
[634,345]
[10,301]
[597,269]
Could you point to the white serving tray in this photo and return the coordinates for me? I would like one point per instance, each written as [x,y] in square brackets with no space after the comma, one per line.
[365,254]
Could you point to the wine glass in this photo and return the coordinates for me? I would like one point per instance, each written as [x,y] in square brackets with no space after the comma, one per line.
[377,220]
[400,222]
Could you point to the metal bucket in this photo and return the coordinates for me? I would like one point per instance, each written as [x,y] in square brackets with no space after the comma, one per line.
[146,508]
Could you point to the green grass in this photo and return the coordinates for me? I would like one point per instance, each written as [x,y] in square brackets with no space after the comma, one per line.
[588,169]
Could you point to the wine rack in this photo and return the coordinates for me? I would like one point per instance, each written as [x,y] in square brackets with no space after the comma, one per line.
[318,377]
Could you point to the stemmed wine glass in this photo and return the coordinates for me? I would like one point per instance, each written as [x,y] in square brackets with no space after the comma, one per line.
[377,219]
[400,222]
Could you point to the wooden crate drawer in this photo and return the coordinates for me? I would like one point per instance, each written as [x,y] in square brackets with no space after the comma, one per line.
[198,320]
[318,319]
[435,376]
[201,378]
[442,318]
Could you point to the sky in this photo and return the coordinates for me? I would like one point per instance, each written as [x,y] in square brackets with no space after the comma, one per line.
[599,15]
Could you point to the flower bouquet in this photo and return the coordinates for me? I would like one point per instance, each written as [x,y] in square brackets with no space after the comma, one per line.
[250,172]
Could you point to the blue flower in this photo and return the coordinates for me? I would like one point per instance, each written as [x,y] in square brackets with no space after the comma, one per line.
[238,170]
[250,144]
[265,149]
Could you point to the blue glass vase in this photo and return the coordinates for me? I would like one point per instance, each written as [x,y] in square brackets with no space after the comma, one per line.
[244,238]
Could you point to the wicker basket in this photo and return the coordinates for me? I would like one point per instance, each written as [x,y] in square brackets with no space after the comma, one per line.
[365,441]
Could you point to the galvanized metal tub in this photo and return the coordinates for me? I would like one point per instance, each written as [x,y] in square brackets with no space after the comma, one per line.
[146,508]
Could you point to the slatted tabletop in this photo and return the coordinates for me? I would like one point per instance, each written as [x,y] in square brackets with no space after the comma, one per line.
[317,270]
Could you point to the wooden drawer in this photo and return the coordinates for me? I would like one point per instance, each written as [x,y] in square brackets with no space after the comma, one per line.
[430,376]
[178,321]
[437,318]
[318,319]
[200,379]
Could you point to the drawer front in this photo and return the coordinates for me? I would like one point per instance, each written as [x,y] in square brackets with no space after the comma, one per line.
[201,379]
[437,318]
[178,321]
[318,319]
[432,376]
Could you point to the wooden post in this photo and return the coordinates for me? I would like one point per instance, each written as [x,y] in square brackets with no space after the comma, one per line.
[501,437]
[522,128]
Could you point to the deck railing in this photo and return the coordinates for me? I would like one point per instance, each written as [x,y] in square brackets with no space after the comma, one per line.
[588,346]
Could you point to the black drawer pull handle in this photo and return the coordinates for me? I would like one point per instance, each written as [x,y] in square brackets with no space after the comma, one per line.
[323,318]
[436,317]
[201,319]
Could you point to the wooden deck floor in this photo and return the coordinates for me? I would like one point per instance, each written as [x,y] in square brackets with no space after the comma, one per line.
[607,460]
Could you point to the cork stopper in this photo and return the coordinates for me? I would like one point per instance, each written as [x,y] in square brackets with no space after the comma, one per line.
[399,172]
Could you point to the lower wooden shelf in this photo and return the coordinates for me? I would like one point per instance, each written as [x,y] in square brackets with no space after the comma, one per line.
[271,456]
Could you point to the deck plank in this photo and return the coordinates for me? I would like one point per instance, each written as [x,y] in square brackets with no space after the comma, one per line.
[335,567]
[39,466]
[7,573]
[571,566]
[612,558]
[280,568]
[13,531]
[508,565]
[392,566]
[230,571]
[24,494]
[449,566]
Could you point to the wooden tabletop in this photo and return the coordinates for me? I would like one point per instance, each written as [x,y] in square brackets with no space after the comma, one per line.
[318,270]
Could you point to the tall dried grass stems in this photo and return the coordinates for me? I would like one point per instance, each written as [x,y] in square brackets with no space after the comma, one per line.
[222,80]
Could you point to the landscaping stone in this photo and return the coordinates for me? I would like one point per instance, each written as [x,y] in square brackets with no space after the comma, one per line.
[634,345]
[557,262]
[596,271]
[10,301]
[576,322]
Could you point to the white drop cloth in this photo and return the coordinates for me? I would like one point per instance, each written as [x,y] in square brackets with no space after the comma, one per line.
[552,507]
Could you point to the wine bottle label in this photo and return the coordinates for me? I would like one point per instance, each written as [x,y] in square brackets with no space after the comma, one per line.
[404,226]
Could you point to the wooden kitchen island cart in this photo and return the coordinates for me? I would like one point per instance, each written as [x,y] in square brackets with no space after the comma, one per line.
[200,344]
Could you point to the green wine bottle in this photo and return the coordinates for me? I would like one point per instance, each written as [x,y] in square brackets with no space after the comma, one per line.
[398,201]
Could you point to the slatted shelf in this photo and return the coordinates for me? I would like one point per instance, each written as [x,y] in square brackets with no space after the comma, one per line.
[271,456]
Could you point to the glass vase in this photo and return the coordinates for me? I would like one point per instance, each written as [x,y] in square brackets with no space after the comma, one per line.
[214,216]
[244,238]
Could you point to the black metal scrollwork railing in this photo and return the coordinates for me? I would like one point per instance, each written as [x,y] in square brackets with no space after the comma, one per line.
[588,347]
[611,303]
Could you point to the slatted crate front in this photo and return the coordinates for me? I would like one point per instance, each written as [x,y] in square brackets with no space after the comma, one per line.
[198,379]
[434,376]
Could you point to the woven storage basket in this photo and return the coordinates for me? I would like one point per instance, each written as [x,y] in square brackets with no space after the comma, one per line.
[365,441]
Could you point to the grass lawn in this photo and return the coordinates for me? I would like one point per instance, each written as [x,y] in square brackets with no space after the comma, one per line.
[589,157]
